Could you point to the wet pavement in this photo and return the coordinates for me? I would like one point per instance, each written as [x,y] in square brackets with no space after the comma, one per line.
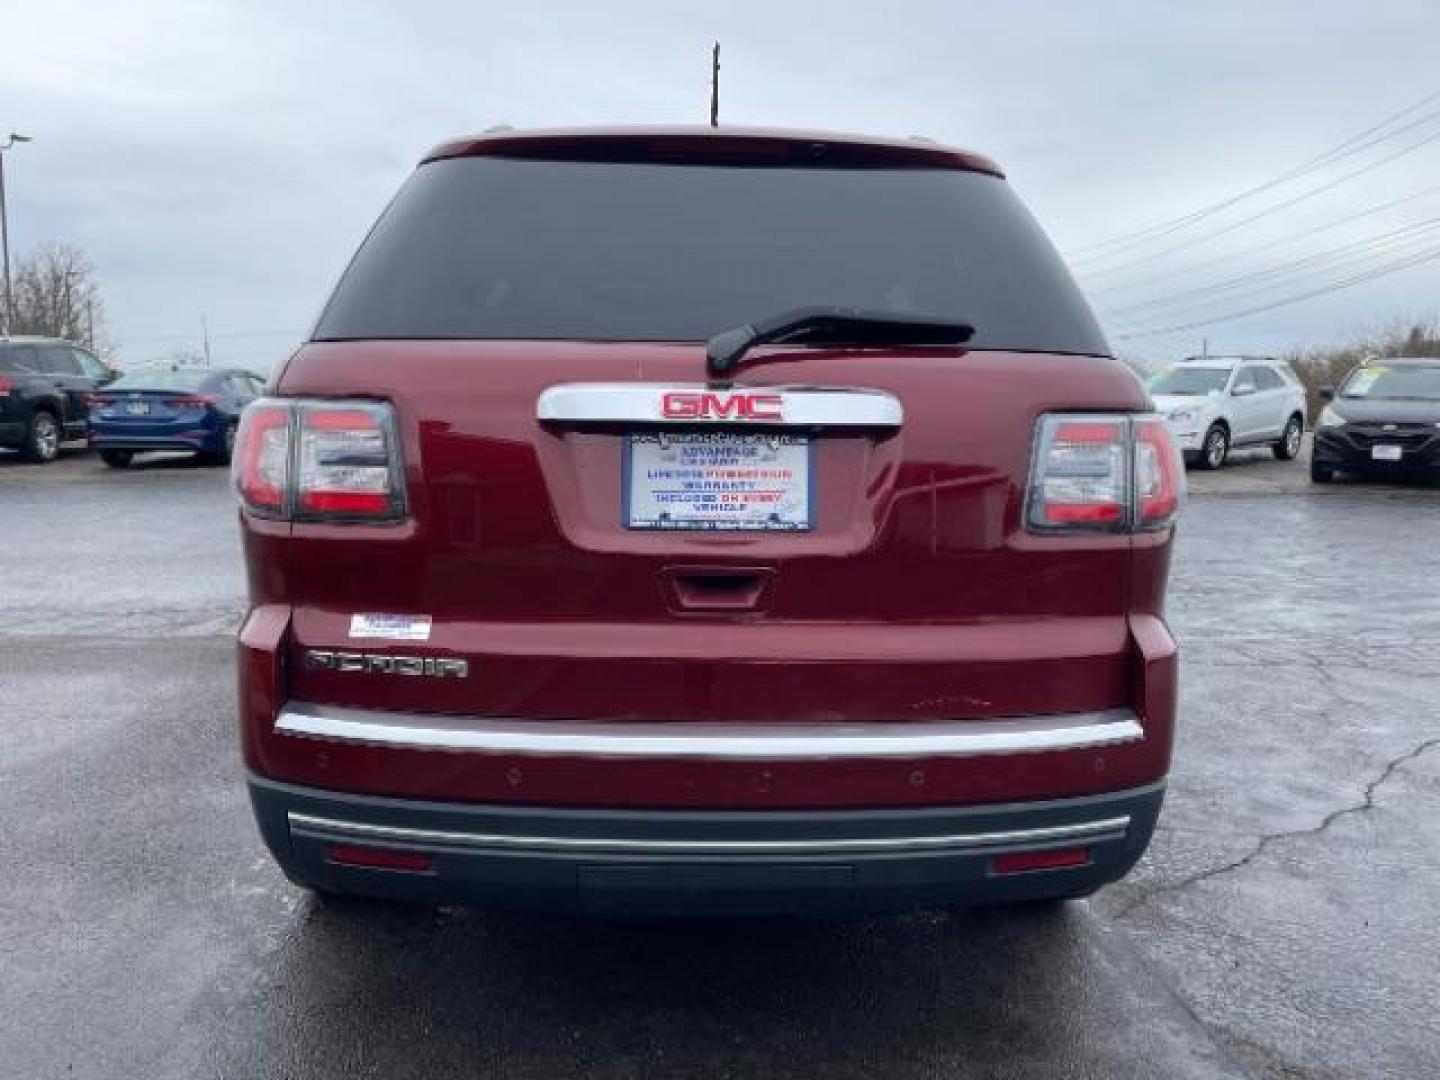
[1283,924]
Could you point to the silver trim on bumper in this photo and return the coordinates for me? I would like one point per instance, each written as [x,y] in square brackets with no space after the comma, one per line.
[1106,828]
[733,742]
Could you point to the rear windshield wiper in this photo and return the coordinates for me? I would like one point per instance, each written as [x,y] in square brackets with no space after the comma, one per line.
[831,326]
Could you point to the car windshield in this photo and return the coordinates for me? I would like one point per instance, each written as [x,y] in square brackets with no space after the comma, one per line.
[159,379]
[622,251]
[1418,382]
[1189,380]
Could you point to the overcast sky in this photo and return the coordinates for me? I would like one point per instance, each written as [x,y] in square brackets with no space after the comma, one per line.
[225,158]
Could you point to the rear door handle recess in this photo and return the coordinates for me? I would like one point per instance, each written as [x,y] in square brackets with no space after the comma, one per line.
[717,588]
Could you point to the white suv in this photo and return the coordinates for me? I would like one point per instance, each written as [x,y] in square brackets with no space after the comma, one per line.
[1214,403]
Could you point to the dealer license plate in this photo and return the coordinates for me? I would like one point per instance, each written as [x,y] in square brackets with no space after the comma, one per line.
[1383,452]
[718,480]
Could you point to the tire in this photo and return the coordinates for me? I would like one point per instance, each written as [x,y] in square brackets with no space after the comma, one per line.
[43,437]
[222,457]
[117,459]
[1215,448]
[1321,474]
[1289,445]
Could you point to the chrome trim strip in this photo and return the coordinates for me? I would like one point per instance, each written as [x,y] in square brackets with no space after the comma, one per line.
[1087,830]
[734,742]
[637,402]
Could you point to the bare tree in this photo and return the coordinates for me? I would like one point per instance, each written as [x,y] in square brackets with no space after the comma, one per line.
[56,295]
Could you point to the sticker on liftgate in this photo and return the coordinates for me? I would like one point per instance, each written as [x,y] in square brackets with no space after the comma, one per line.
[391,627]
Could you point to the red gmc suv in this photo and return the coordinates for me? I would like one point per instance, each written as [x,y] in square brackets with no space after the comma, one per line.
[706,520]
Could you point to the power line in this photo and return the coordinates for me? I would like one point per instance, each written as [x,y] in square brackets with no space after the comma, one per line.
[1311,193]
[1231,256]
[1358,279]
[1337,152]
[1359,250]
[1427,118]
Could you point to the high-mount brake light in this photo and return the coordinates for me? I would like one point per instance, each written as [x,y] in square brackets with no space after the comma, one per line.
[1103,473]
[311,460]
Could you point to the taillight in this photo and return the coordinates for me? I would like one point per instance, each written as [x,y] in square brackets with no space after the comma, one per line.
[260,463]
[307,460]
[96,401]
[6,385]
[1159,473]
[1104,473]
[192,401]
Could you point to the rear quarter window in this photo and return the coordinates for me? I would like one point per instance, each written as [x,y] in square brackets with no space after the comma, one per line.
[20,359]
[502,248]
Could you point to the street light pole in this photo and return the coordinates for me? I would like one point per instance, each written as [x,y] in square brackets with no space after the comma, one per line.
[9,312]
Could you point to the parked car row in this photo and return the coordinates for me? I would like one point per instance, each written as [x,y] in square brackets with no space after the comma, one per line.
[53,392]
[1384,419]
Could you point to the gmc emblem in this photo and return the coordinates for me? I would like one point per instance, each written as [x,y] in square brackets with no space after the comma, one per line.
[706,405]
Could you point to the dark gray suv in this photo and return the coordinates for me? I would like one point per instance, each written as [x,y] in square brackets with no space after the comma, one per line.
[44,387]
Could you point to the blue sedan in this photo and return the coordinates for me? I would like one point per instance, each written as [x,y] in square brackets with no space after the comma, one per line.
[171,408]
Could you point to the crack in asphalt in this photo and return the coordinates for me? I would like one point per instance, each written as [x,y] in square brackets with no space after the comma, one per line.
[1267,839]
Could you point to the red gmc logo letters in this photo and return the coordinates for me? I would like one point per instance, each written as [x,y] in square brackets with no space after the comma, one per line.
[706,405]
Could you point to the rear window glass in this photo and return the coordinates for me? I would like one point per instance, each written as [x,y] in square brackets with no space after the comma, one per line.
[490,247]
[20,359]
[159,379]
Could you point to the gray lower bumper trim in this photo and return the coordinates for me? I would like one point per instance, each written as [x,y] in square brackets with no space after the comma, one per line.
[742,742]
[1104,829]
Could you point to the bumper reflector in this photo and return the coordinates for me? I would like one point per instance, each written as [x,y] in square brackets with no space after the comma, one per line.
[380,858]
[1022,862]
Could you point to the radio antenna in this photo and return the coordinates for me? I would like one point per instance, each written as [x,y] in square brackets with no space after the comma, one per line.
[715,86]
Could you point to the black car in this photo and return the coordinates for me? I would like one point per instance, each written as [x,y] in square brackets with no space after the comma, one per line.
[1384,419]
[45,385]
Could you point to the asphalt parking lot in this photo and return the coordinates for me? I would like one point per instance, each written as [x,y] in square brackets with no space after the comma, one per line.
[1283,925]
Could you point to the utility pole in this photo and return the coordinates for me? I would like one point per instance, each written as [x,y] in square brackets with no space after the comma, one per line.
[7,316]
[715,86]
[205,332]
[90,323]
[1204,348]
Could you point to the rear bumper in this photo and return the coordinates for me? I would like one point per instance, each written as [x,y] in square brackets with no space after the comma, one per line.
[190,440]
[638,862]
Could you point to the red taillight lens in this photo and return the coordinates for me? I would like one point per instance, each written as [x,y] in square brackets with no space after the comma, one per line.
[319,461]
[6,385]
[191,401]
[1103,473]
[1159,474]
[96,401]
[260,464]
[1023,862]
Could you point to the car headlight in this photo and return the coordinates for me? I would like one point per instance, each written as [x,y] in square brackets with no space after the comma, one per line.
[1330,418]
[1181,416]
